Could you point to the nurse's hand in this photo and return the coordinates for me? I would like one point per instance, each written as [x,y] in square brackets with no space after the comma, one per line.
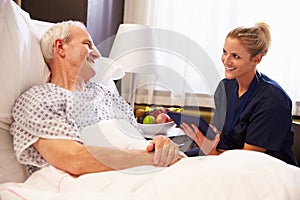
[207,146]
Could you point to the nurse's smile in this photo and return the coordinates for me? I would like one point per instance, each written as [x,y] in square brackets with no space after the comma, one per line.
[230,68]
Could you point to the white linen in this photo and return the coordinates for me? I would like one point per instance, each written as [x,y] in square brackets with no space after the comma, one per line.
[113,133]
[236,174]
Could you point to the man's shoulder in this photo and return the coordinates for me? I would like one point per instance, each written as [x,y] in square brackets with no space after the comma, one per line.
[43,92]
[39,86]
[36,90]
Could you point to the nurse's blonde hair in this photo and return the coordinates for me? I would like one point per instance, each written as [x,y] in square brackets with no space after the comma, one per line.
[256,39]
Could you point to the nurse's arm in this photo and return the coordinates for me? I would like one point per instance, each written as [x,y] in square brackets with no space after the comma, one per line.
[253,148]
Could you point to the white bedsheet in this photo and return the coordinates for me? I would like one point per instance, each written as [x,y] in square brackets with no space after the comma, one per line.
[235,174]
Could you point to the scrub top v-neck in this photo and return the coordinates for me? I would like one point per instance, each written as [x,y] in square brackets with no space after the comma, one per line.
[261,117]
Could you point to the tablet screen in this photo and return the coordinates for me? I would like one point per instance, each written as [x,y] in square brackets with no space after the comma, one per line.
[199,121]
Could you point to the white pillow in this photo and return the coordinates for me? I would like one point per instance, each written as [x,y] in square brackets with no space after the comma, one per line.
[107,70]
[22,65]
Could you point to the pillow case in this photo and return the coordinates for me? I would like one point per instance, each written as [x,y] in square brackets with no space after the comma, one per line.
[107,70]
[21,60]
[22,65]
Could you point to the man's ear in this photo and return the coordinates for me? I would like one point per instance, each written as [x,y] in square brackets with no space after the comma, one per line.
[58,47]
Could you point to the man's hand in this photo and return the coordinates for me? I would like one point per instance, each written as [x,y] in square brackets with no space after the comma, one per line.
[166,152]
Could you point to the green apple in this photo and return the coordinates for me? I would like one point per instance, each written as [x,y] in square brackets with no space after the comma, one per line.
[149,120]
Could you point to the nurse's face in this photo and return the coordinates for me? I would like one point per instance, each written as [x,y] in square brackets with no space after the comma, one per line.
[237,61]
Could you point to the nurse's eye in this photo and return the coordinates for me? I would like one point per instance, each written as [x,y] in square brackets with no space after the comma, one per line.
[236,56]
[224,52]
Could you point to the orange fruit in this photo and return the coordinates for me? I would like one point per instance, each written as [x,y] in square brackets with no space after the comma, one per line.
[139,113]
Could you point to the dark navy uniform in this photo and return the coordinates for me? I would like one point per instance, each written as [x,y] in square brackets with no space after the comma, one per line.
[261,118]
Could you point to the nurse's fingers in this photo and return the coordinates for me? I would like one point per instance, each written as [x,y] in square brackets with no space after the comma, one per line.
[215,129]
[188,130]
[199,134]
[210,145]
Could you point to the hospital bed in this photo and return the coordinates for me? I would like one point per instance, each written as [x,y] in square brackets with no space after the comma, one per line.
[234,174]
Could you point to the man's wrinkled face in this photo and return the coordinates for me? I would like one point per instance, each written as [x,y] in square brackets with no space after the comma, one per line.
[82,53]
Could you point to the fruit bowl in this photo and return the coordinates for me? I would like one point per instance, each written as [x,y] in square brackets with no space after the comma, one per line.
[154,129]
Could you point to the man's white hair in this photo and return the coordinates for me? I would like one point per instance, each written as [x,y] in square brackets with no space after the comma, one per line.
[60,30]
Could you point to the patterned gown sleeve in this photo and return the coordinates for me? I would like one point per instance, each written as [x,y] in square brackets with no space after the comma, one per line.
[40,114]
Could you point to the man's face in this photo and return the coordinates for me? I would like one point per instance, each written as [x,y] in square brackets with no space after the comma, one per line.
[81,53]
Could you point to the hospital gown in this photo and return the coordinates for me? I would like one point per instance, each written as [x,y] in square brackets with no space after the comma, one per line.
[49,111]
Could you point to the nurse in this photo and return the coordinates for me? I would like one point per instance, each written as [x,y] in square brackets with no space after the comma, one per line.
[252,112]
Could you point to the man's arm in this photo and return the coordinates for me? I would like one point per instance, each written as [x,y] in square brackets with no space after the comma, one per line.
[77,159]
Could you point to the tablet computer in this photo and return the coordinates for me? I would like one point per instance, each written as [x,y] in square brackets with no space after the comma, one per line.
[199,121]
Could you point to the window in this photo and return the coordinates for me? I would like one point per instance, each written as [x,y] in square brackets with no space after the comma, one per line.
[208,22]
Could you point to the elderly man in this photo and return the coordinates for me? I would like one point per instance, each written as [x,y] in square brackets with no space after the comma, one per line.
[50,117]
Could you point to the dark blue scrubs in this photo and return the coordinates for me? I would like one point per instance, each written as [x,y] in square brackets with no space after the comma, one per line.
[265,121]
